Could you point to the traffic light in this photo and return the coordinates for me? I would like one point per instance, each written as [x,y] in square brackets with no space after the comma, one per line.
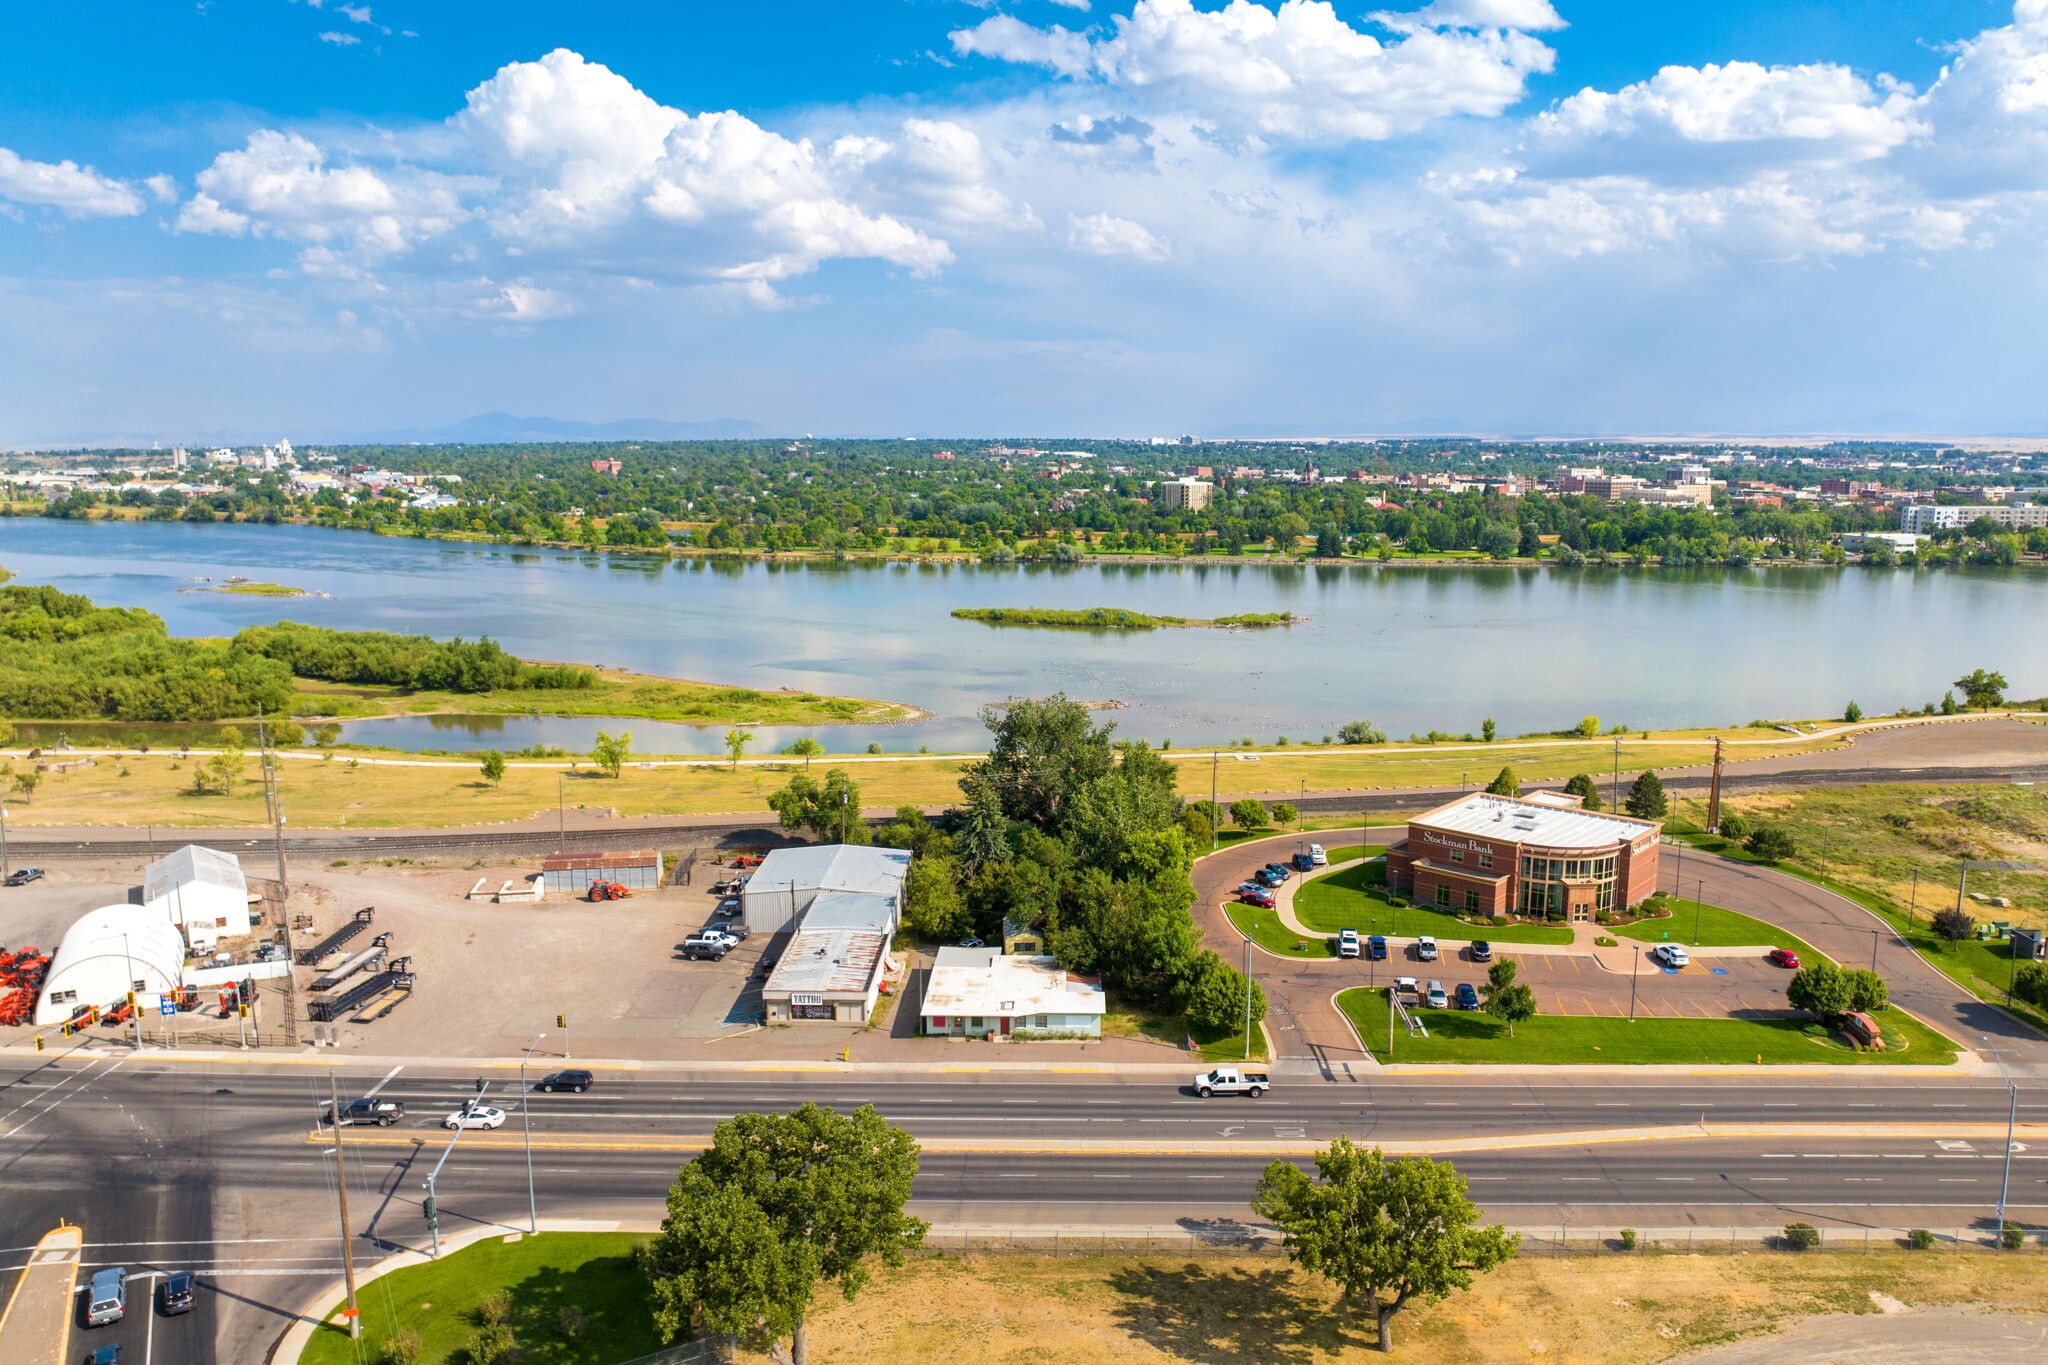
[431,1210]
[39,1042]
[561,1021]
[480,1084]
[243,1009]
[65,1028]
[131,1000]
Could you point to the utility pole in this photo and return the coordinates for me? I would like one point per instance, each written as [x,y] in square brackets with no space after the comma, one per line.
[1913,905]
[1714,792]
[348,1253]
[1247,999]
[526,1122]
[1215,815]
[2012,1113]
[561,819]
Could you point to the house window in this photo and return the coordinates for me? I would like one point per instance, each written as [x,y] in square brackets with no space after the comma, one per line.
[1443,895]
[1471,900]
[1038,1021]
[1486,860]
[1457,855]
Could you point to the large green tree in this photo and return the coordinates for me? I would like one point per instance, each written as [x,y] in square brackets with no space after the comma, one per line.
[830,810]
[492,765]
[1044,752]
[984,835]
[1505,783]
[1583,787]
[933,907]
[1982,688]
[1821,989]
[611,751]
[1385,1232]
[779,1206]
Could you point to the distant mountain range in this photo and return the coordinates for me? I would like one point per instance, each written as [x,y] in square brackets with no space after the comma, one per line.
[489,428]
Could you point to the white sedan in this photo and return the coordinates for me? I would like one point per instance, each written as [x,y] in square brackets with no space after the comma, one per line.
[1670,954]
[475,1116]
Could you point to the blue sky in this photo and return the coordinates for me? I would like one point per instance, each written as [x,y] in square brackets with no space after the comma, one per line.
[957,216]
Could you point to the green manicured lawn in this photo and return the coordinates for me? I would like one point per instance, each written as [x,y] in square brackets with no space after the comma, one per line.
[1128,1019]
[1557,1039]
[1710,926]
[592,1271]
[1265,929]
[1356,898]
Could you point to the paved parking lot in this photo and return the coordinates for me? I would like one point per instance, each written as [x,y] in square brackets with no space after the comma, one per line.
[1568,983]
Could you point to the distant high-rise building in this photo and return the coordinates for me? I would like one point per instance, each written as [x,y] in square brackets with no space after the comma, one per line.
[1191,494]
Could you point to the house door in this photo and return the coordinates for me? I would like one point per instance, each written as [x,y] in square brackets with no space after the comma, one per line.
[1003,1024]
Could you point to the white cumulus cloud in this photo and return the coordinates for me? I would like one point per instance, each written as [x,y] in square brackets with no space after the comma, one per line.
[1104,234]
[1295,72]
[78,191]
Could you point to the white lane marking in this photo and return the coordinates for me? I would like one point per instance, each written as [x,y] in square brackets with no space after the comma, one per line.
[83,1079]
[1781,1179]
[389,1076]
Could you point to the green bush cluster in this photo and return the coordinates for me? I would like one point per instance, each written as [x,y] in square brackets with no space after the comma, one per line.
[415,662]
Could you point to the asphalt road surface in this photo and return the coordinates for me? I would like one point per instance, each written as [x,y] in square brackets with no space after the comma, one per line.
[225,1169]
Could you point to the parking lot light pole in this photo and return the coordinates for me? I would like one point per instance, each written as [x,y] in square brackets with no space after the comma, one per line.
[1874,935]
[1632,983]
[526,1122]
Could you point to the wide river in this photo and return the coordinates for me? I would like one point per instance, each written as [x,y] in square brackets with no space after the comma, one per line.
[1412,649]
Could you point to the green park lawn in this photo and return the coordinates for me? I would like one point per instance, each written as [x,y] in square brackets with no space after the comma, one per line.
[1557,1039]
[1356,898]
[1709,926]
[1264,928]
[592,1271]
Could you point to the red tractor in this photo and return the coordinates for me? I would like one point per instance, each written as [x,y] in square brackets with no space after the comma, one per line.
[608,891]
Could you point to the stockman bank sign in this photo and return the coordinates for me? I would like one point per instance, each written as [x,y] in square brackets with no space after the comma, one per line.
[1430,836]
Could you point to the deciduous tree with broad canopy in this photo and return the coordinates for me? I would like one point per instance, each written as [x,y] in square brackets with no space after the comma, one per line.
[779,1206]
[1386,1232]
[830,810]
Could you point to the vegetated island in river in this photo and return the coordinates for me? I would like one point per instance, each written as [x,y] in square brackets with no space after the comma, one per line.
[66,658]
[1112,618]
[249,588]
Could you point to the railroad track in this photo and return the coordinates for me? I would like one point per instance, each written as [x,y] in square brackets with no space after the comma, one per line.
[763,831]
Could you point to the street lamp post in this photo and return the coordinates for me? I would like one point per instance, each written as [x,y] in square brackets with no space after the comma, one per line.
[1874,935]
[2012,1111]
[561,818]
[1637,967]
[526,1122]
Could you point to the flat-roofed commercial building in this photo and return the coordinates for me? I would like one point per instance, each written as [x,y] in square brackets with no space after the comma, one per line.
[1192,494]
[1542,857]
[1925,516]
[833,974]
[984,992]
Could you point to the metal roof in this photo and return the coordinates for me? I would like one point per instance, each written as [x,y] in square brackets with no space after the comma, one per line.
[828,962]
[193,864]
[834,867]
[588,862]
[1528,822]
[851,910]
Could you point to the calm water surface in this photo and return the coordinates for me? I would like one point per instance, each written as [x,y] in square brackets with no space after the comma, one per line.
[1409,648]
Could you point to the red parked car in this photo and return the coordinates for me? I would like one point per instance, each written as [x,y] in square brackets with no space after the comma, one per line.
[1260,898]
[1782,957]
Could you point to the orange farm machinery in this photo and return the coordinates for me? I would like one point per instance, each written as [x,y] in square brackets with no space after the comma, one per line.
[21,978]
[608,891]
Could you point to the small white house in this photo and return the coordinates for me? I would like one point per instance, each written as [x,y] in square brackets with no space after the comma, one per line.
[983,992]
[109,952]
[200,891]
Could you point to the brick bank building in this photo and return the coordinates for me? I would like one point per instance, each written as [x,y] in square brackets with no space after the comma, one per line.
[1536,856]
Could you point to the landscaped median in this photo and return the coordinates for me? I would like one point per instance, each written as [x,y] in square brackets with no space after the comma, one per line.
[1709,926]
[570,1298]
[1356,898]
[1464,1036]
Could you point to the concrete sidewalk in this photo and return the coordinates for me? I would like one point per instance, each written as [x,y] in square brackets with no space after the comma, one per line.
[35,1327]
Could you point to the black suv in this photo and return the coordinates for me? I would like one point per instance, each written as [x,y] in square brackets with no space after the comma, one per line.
[177,1294]
[383,1113]
[578,1081]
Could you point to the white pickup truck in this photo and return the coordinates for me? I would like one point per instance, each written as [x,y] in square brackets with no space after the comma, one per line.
[1228,1080]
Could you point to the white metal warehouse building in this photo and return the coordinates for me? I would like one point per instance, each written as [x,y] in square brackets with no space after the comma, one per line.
[789,880]
[111,951]
[201,891]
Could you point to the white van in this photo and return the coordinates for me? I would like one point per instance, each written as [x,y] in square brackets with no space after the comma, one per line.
[1318,856]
